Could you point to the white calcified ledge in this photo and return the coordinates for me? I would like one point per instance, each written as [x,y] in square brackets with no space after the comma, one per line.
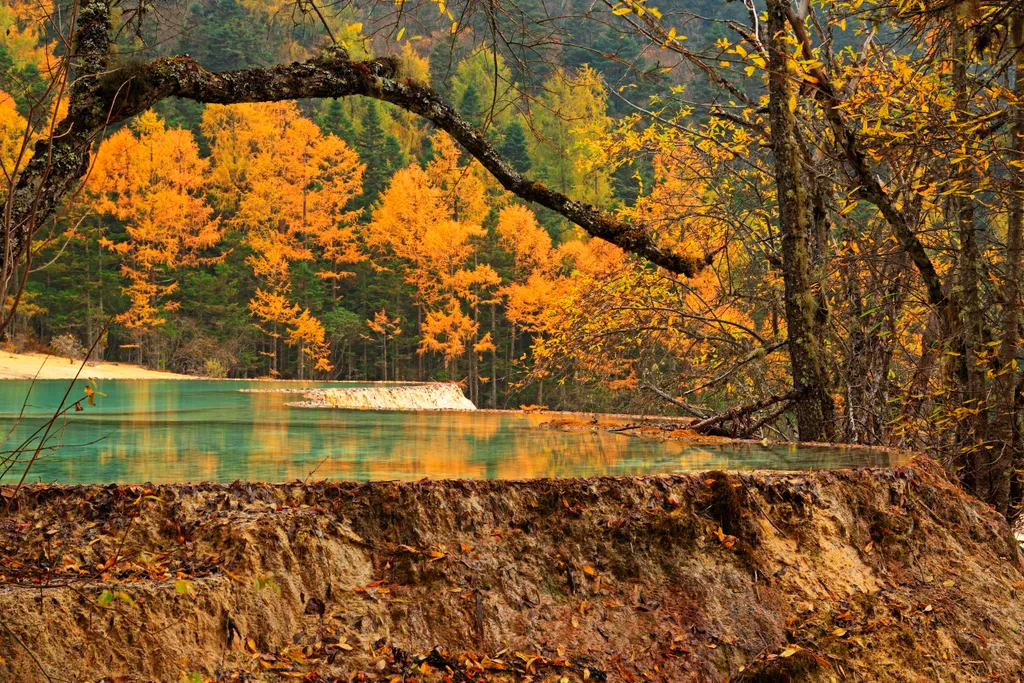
[438,396]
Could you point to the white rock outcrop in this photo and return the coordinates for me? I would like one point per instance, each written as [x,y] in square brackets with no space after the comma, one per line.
[438,396]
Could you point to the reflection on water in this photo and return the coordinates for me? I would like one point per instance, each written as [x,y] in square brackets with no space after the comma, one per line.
[164,431]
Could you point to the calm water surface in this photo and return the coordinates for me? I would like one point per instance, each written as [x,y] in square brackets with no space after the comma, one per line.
[164,431]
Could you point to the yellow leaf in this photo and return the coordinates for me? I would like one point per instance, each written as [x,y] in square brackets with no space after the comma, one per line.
[621,10]
[792,103]
[401,32]
[356,27]
[839,632]
[789,652]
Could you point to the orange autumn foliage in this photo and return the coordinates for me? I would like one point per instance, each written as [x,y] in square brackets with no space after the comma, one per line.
[292,198]
[152,179]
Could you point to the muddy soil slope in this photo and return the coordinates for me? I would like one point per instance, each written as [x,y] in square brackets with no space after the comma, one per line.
[868,575]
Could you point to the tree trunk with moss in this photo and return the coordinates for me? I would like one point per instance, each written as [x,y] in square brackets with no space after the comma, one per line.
[969,375]
[814,407]
[1005,454]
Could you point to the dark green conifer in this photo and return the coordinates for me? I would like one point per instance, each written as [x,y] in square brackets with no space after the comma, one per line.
[514,148]
[470,107]
[336,122]
[380,152]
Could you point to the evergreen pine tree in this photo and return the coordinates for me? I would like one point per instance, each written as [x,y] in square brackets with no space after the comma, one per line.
[441,65]
[393,157]
[470,108]
[336,122]
[371,132]
[226,36]
[8,72]
[381,153]
[427,150]
[28,88]
[514,148]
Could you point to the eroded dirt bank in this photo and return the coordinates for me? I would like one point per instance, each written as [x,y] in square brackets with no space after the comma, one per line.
[873,575]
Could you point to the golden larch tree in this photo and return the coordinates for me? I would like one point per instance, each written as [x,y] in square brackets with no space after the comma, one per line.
[151,179]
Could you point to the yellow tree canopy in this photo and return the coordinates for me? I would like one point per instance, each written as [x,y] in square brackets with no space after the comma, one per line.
[152,179]
[12,137]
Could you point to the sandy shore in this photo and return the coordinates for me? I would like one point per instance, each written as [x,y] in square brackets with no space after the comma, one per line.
[41,366]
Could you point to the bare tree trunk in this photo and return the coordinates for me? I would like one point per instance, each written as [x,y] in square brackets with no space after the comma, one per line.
[472,376]
[970,363]
[854,413]
[494,360]
[511,351]
[1005,429]
[394,358]
[815,411]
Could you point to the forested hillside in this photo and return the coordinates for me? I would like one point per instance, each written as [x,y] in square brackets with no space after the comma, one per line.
[786,220]
[349,239]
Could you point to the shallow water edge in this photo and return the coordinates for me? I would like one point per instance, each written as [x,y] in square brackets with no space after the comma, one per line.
[183,431]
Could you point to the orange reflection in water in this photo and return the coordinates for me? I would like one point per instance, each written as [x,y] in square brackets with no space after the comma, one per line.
[179,431]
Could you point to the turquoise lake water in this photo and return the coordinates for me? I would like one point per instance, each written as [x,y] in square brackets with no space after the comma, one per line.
[165,431]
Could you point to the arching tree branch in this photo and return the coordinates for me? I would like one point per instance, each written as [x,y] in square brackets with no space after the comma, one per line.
[101,98]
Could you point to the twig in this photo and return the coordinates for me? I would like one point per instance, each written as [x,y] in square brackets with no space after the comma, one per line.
[26,648]
[736,413]
[49,424]
[696,412]
[753,355]
[770,417]
[313,471]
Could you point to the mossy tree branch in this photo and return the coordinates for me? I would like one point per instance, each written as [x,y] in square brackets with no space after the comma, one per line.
[102,97]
